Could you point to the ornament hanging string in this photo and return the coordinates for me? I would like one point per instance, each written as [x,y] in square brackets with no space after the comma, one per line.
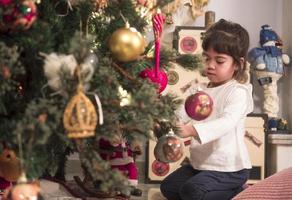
[22,178]
[84,30]
[124,18]
[20,150]
[98,102]
[168,18]
[68,7]
[52,94]
[77,73]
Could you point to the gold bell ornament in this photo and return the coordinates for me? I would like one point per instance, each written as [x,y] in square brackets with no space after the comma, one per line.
[80,118]
[10,168]
[126,44]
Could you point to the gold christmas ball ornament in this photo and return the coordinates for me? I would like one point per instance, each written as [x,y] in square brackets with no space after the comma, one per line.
[80,117]
[10,168]
[126,44]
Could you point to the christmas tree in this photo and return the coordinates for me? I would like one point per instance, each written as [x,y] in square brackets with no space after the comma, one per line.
[66,82]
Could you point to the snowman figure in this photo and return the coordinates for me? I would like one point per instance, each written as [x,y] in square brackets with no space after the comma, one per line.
[268,63]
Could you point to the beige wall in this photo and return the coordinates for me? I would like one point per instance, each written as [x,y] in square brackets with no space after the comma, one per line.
[251,14]
[286,95]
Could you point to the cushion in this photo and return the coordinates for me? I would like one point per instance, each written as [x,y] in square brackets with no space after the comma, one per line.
[277,186]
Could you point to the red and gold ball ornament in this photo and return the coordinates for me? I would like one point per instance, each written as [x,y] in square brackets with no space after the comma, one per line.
[126,44]
[199,106]
[23,191]
[29,191]
[18,16]
[169,148]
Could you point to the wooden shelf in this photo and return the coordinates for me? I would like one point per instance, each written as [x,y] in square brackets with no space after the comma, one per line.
[276,137]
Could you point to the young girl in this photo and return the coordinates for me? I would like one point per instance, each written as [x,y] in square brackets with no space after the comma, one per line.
[219,161]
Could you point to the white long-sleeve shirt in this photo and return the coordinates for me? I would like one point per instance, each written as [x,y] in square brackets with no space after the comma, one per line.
[221,145]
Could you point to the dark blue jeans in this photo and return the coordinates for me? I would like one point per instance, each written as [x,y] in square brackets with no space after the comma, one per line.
[186,183]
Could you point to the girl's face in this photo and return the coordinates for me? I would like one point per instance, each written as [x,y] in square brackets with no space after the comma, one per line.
[219,67]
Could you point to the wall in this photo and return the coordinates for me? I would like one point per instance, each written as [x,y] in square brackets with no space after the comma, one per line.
[287,82]
[252,15]
[249,13]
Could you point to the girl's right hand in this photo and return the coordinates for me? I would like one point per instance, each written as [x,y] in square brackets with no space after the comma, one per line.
[186,130]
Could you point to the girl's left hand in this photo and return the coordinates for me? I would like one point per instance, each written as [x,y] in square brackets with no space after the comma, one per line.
[186,130]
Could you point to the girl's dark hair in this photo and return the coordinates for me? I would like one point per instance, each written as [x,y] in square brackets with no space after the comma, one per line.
[231,39]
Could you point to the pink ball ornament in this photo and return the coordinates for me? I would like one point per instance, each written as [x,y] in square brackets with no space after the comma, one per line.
[199,106]
[5,2]
[169,148]
[160,79]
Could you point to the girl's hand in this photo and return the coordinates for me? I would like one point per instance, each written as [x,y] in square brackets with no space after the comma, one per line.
[186,130]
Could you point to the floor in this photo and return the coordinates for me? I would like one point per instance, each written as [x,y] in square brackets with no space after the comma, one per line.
[56,191]
[150,192]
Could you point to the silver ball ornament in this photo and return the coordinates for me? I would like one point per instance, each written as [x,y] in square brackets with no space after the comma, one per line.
[169,148]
